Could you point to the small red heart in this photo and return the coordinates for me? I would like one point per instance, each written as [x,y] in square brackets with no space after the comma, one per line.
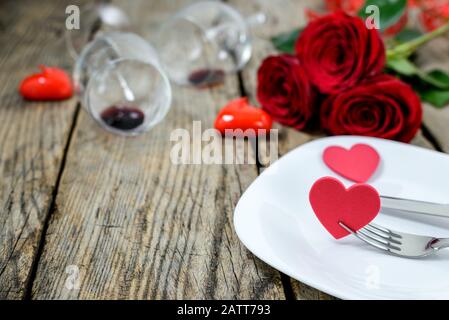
[333,203]
[51,84]
[239,114]
[357,164]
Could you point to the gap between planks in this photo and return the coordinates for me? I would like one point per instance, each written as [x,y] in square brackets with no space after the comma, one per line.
[53,205]
[52,209]
[285,280]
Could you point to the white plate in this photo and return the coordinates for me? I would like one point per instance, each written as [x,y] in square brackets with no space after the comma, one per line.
[274,220]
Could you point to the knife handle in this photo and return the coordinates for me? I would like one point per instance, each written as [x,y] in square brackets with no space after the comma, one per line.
[422,207]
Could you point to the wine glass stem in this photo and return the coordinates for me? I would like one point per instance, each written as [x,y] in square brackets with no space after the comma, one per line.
[126,89]
[251,21]
[256,19]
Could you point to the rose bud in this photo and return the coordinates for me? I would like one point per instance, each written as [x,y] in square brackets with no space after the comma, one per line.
[338,51]
[382,107]
[284,91]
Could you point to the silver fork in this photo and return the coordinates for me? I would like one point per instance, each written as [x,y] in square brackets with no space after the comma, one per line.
[398,243]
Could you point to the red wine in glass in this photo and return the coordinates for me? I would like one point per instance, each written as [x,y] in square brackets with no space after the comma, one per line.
[206,78]
[123,117]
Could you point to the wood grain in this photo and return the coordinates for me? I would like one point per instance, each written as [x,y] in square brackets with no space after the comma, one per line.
[33,135]
[138,226]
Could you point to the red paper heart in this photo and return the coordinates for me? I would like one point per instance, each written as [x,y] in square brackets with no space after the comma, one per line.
[50,84]
[333,203]
[239,114]
[357,164]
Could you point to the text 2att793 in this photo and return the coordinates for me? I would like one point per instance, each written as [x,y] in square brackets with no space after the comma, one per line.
[245,309]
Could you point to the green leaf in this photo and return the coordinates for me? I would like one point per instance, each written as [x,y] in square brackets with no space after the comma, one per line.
[403,67]
[433,87]
[438,98]
[285,42]
[390,11]
[432,80]
[436,78]
[441,77]
[407,35]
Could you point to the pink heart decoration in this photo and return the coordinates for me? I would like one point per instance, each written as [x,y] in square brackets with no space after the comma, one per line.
[357,164]
[333,203]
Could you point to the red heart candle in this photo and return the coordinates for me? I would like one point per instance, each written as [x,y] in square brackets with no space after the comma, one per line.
[239,114]
[51,84]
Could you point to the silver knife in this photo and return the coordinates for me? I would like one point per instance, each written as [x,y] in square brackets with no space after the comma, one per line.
[427,208]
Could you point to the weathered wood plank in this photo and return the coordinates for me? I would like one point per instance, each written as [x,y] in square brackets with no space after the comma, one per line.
[33,135]
[138,226]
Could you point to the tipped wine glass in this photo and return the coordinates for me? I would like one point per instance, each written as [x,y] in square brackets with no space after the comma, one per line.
[203,42]
[121,83]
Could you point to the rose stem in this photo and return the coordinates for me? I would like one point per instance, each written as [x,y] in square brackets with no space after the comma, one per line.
[406,49]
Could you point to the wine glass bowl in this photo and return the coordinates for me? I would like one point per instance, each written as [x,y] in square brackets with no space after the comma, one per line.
[202,43]
[121,83]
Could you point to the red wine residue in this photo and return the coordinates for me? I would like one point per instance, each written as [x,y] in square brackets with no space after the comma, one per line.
[206,78]
[122,117]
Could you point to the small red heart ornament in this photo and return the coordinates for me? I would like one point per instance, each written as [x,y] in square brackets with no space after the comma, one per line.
[333,203]
[51,84]
[357,164]
[239,114]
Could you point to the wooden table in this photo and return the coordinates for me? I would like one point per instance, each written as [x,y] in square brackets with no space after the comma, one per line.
[135,225]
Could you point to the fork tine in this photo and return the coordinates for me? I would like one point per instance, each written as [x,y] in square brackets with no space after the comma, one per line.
[373,243]
[369,234]
[385,230]
[403,245]
[385,241]
[384,235]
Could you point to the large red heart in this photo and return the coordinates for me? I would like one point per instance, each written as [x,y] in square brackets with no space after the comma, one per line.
[357,164]
[51,84]
[333,203]
[239,114]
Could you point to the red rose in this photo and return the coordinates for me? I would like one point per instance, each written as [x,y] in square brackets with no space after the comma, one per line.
[284,91]
[338,51]
[383,107]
